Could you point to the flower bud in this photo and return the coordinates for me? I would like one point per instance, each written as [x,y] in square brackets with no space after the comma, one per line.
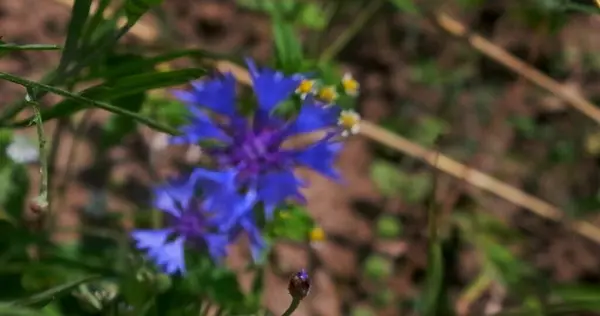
[299,285]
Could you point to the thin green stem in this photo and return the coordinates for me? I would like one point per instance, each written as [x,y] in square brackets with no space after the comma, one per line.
[83,100]
[11,47]
[59,76]
[42,198]
[293,305]
[330,52]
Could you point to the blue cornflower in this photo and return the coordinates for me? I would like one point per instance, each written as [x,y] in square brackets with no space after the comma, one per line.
[251,156]
[189,224]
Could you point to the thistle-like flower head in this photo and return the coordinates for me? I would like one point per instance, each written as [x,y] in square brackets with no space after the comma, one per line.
[299,285]
[250,154]
[188,224]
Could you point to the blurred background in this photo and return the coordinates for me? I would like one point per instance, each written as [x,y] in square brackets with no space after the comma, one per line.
[440,75]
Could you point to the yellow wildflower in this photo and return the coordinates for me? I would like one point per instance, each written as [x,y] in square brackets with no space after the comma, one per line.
[351,86]
[317,234]
[349,121]
[305,88]
[328,94]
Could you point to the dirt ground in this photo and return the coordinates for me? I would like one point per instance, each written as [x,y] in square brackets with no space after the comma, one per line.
[379,58]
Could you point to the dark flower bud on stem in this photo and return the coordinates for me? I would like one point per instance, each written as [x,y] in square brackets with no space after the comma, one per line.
[299,285]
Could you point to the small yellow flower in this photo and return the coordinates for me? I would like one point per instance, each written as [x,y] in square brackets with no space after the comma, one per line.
[164,67]
[328,94]
[284,215]
[351,86]
[349,121]
[317,234]
[305,88]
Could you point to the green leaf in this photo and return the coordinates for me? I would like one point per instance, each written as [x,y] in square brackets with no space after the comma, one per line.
[292,223]
[429,130]
[16,195]
[585,8]
[96,20]
[121,87]
[377,267]
[54,292]
[389,227]
[435,274]
[79,15]
[435,300]
[134,9]
[119,126]
[11,310]
[407,6]
[552,309]
[269,6]
[288,49]
[126,69]
[169,112]
[387,177]
[11,47]
[139,83]
[313,16]
[583,296]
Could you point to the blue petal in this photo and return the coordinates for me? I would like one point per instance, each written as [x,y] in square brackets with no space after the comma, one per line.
[217,246]
[168,255]
[184,96]
[320,157]
[274,188]
[150,240]
[175,195]
[257,243]
[243,205]
[271,87]
[313,117]
[171,256]
[217,94]
[201,127]
[218,188]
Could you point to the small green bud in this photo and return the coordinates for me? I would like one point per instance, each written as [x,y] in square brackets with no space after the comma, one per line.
[163,283]
[377,267]
[389,227]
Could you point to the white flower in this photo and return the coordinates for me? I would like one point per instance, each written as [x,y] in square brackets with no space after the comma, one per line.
[22,150]
[349,121]
[160,142]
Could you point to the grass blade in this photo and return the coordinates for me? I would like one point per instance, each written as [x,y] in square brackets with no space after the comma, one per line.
[11,310]
[79,15]
[435,269]
[95,21]
[53,292]
[134,9]
[125,86]
[12,47]
[83,100]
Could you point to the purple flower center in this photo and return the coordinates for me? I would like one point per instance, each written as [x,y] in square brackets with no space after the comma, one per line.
[253,152]
[191,224]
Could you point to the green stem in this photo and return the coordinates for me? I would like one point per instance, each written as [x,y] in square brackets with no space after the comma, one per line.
[293,305]
[42,198]
[331,51]
[83,100]
[59,76]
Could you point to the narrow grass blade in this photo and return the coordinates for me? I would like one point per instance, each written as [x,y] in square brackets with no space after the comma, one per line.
[79,15]
[12,47]
[53,293]
[11,310]
[83,100]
